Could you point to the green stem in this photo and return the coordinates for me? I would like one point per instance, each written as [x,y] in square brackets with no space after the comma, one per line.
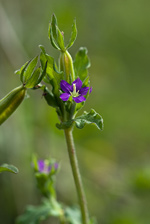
[77,176]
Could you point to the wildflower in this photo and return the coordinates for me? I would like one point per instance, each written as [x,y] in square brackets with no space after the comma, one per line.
[75,90]
[43,167]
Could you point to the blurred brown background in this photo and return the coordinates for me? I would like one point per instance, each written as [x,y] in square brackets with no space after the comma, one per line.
[115,163]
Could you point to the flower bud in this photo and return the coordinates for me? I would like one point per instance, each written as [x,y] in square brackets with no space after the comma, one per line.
[66,65]
[10,102]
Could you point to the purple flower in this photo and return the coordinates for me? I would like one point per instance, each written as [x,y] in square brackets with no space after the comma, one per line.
[43,167]
[75,90]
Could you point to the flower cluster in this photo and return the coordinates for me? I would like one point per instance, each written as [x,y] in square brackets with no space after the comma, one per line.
[76,91]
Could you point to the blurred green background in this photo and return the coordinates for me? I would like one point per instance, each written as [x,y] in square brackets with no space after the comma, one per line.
[115,163]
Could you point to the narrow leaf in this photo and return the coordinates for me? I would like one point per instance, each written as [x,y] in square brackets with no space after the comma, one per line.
[73,35]
[34,79]
[8,168]
[28,72]
[60,39]
[21,70]
[53,25]
[42,48]
[52,32]
[53,77]
[43,74]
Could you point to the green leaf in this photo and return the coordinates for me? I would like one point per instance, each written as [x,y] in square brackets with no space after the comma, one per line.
[42,48]
[52,32]
[30,68]
[8,168]
[55,35]
[53,26]
[43,74]
[73,35]
[21,70]
[35,214]
[89,118]
[60,39]
[33,80]
[36,77]
[49,97]
[53,77]
[81,63]
[73,215]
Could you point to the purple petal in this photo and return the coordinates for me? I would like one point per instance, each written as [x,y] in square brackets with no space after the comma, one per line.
[41,165]
[65,86]
[90,90]
[79,99]
[65,96]
[78,83]
[56,166]
[84,91]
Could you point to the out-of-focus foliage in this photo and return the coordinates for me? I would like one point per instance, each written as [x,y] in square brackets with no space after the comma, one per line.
[114,163]
[9,168]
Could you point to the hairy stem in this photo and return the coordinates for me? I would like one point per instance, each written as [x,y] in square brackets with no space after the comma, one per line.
[77,176]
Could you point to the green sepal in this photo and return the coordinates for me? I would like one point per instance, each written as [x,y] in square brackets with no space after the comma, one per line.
[81,64]
[30,69]
[73,35]
[36,214]
[45,180]
[45,184]
[27,70]
[42,75]
[32,81]
[8,168]
[42,48]
[60,39]
[52,32]
[53,77]
[49,70]
[56,36]
[36,77]
[87,118]
[21,70]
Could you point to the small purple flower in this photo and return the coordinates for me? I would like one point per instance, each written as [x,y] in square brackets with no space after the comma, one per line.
[43,167]
[75,90]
